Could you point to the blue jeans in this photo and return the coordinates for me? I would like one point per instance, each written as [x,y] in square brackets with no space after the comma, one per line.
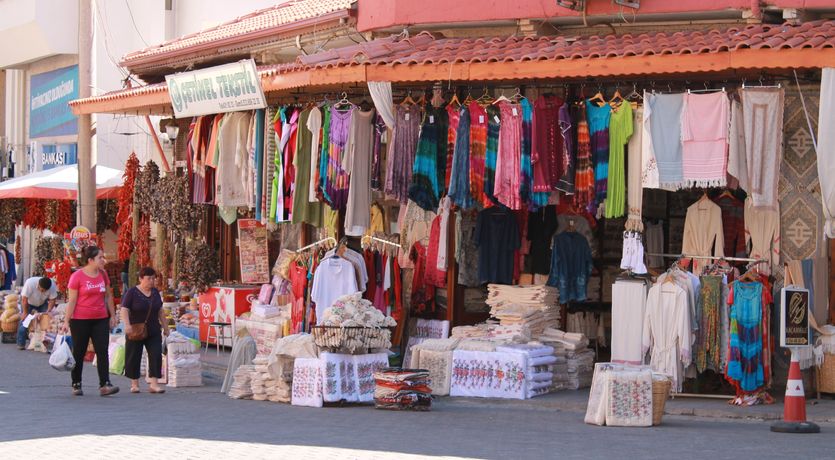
[23,332]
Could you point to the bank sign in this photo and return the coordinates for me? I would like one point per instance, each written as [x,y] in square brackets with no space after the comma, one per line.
[56,155]
[225,88]
[49,114]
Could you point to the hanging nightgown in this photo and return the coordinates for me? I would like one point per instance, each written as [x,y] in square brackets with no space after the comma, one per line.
[666,331]
[401,158]
[338,180]
[509,159]
[547,144]
[620,130]
[425,190]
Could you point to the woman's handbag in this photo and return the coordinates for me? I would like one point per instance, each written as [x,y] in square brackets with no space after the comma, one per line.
[139,332]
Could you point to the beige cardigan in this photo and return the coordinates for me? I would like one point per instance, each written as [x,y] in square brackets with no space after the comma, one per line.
[703,235]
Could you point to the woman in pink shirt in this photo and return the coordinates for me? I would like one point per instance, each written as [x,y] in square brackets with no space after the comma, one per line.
[90,315]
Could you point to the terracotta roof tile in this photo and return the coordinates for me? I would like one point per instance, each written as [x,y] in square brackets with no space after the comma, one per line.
[425,49]
[262,20]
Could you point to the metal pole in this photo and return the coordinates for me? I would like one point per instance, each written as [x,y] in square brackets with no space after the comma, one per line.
[86,123]
[685,256]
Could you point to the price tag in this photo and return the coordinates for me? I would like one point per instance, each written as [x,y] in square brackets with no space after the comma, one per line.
[515,112]
[481,119]
[496,117]
[431,119]
[408,115]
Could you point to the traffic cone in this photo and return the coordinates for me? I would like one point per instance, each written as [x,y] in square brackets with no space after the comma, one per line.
[794,406]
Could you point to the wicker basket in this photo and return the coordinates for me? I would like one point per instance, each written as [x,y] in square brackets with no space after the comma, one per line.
[352,338]
[660,393]
[9,326]
[826,374]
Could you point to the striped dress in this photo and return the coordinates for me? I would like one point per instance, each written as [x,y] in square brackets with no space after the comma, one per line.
[478,147]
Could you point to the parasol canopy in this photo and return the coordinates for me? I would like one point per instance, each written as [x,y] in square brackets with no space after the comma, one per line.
[61,183]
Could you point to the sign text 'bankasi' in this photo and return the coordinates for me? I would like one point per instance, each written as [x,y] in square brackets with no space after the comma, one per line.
[226,88]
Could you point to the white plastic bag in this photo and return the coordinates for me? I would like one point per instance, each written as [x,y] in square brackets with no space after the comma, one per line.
[61,358]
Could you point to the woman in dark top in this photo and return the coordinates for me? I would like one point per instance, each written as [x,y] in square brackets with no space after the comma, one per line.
[135,305]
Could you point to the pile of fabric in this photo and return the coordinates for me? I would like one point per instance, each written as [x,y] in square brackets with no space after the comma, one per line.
[264,386]
[354,311]
[533,307]
[402,389]
[422,330]
[350,378]
[242,382]
[435,355]
[538,376]
[621,395]
[491,330]
[574,365]
[184,368]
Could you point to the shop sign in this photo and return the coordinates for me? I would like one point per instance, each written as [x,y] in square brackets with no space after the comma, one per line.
[49,95]
[225,88]
[80,232]
[56,155]
[794,317]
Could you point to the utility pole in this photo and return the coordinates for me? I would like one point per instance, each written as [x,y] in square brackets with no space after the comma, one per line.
[86,215]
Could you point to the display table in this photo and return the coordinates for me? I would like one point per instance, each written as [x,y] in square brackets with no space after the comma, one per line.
[222,304]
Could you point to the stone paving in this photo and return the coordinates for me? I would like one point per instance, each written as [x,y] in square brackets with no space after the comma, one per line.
[42,420]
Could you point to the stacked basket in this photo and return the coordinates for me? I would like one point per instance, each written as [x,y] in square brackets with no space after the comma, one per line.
[10,318]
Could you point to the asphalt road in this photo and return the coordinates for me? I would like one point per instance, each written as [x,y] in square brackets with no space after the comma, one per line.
[42,420]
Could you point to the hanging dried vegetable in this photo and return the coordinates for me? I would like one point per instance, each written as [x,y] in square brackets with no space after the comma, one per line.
[59,216]
[50,213]
[172,206]
[124,216]
[200,266]
[18,257]
[34,217]
[45,250]
[146,188]
[143,242]
[106,211]
[11,214]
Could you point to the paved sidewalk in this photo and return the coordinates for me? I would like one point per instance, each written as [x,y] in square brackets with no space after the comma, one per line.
[819,411]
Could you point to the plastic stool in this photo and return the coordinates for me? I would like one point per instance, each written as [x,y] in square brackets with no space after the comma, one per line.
[220,334]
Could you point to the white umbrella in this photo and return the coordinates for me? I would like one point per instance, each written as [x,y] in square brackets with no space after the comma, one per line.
[61,183]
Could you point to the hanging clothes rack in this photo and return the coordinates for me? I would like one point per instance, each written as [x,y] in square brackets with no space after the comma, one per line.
[686,256]
[318,243]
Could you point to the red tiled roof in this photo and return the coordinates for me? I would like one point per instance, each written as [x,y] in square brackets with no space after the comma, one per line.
[425,50]
[239,29]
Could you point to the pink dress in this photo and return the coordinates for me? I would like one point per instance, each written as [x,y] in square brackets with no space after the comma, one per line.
[509,163]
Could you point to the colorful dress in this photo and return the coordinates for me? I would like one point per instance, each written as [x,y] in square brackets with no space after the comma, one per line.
[425,188]
[338,179]
[494,122]
[547,143]
[620,130]
[745,361]
[459,183]
[453,117]
[584,180]
[508,180]
[598,117]
[478,147]
[401,156]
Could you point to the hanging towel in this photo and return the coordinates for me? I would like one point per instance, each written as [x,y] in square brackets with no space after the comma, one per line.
[665,129]
[634,189]
[737,165]
[762,110]
[649,167]
[704,135]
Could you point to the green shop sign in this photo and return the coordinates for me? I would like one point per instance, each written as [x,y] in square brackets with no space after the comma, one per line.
[226,88]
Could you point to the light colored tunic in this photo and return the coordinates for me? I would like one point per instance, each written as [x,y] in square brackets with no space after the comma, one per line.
[762,231]
[358,165]
[666,332]
[703,235]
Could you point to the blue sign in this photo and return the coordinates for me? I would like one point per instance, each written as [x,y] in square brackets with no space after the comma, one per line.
[55,155]
[49,113]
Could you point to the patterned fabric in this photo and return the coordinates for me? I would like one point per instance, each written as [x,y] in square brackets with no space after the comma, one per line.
[494,122]
[535,200]
[307,382]
[733,225]
[466,249]
[566,183]
[439,365]
[488,374]
[350,378]
[338,179]
[709,343]
[377,158]
[478,148]
[324,159]
[547,143]
[745,363]
[629,399]
[508,180]
[584,180]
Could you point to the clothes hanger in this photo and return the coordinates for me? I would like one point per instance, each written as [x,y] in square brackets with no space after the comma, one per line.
[598,99]
[453,101]
[485,99]
[617,100]
[500,99]
[517,95]
[408,100]
[344,102]
[469,98]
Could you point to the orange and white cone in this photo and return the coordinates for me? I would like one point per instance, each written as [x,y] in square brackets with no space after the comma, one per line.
[794,406]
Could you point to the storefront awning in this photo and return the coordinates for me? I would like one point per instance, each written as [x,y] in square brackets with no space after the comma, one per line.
[61,183]
[424,58]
